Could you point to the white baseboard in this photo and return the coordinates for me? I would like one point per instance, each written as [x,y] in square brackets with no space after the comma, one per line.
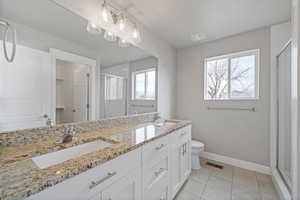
[237,163]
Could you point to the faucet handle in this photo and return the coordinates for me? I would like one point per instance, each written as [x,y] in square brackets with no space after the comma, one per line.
[69,130]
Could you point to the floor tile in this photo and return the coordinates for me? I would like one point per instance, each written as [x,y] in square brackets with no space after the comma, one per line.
[193,187]
[263,177]
[245,178]
[241,192]
[201,175]
[229,183]
[217,189]
[268,190]
[184,195]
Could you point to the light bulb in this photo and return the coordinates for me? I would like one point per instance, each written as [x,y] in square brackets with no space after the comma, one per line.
[92,28]
[110,36]
[122,24]
[123,43]
[105,12]
[136,35]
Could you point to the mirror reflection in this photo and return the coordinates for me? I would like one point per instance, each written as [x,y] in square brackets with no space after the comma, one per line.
[62,73]
[129,88]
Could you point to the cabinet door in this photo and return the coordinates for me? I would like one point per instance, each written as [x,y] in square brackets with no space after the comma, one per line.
[126,188]
[159,190]
[186,160]
[176,166]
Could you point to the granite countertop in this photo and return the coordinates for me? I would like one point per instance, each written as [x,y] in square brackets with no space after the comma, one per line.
[20,177]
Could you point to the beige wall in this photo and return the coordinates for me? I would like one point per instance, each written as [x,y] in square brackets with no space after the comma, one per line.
[237,134]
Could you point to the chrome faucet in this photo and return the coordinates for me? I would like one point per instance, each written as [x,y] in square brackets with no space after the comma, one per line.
[49,121]
[69,130]
[69,133]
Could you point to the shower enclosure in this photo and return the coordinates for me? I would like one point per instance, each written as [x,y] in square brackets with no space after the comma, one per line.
[113,95]
[284,99]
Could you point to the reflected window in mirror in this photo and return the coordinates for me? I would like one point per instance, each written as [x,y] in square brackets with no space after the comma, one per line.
[144,83]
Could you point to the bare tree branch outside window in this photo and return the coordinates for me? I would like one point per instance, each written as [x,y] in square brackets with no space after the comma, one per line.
[242,78]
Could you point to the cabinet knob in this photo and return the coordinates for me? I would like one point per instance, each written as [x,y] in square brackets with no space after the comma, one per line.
[161,170]
[160,147]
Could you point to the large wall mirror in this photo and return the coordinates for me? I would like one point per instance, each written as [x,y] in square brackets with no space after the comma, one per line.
[64,74]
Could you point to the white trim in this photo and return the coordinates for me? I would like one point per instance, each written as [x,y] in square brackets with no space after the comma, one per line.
[66,56]
[237,163]
[280,186]
[228,57]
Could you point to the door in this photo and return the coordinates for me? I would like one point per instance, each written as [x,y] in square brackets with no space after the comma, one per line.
[81,96]
[24,89]
[126,188]
[284,109]
[72,92]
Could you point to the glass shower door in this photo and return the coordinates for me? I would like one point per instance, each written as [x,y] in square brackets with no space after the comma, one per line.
[284,138]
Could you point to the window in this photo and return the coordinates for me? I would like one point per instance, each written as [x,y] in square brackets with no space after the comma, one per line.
[232,76]
[113,87]
[144,84]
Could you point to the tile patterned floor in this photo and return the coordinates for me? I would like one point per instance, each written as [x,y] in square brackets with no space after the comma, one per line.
[229,183]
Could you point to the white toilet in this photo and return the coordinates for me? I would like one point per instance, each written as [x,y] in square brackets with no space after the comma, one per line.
[197,148]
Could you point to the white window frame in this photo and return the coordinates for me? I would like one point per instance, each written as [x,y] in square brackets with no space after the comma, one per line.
[229,57]
[146,84]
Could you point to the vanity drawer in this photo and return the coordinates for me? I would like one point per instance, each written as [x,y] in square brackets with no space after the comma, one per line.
[155,151]
[182,134]
[154,173]
[91,182]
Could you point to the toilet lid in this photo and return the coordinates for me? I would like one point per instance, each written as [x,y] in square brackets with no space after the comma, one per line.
[197,144]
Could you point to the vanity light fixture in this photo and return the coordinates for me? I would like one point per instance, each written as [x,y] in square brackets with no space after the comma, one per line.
[116,25]
[110,36]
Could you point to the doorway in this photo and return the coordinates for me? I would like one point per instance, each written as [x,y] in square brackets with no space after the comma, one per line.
[72,92]
[73,88]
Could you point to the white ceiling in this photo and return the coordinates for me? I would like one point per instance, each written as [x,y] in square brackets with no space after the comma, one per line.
[176,20]
[172,20]
[47,16]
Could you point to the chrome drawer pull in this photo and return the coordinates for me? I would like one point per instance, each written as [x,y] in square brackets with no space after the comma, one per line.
[182,134]
[108,176]
[160,147]
[161,170]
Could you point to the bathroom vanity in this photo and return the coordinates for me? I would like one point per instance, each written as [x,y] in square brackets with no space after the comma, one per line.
[133,161]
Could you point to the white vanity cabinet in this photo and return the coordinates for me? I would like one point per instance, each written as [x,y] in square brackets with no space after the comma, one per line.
[155,171]
[104,182]
[180,159]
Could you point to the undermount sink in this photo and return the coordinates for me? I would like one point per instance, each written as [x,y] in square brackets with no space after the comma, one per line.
[57,157]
